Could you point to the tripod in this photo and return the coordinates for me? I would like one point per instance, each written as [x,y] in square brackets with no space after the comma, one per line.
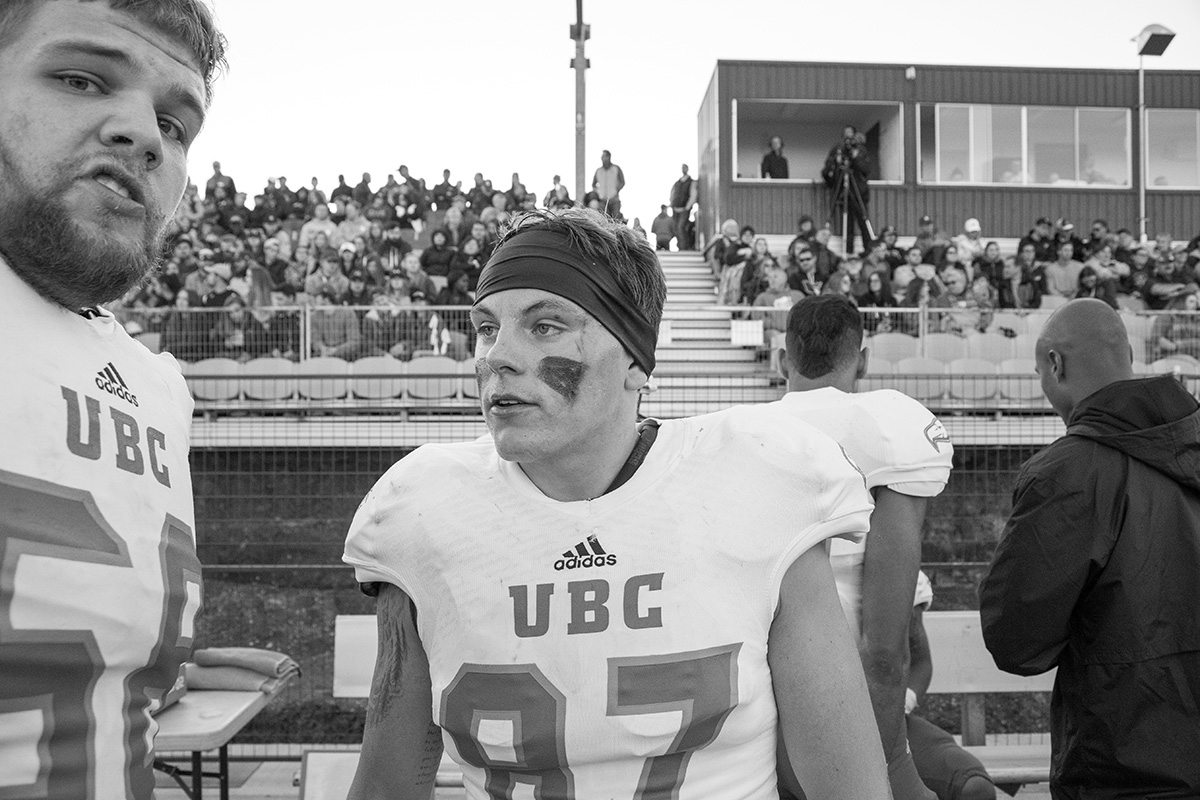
[848,198]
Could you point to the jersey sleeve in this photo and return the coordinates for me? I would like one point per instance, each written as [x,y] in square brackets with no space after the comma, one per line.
[921,453]
[372,543]
[843,508]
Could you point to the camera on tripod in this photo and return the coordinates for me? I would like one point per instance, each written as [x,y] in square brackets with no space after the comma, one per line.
[845,174]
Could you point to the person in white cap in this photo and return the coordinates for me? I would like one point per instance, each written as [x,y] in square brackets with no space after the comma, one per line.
[970,242]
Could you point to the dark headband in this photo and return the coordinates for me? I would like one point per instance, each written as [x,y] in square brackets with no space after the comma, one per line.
[543,259]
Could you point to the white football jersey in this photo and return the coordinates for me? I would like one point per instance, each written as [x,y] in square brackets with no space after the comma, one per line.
[614,647]
[896,442]
[99,580]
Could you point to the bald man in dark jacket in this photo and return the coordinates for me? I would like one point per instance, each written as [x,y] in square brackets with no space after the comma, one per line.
[1098,571]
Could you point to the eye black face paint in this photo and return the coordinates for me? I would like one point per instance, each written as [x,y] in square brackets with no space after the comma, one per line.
[563,375]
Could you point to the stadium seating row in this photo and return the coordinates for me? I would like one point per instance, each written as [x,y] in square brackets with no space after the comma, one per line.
[1013,380]
[424,379]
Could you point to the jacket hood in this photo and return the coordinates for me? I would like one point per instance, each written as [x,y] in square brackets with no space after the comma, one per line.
[1154,420]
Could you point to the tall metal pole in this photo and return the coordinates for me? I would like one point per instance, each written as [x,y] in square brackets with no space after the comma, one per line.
[1141,168]
[580,33]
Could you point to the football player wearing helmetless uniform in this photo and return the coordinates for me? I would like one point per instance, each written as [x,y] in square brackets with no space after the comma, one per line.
[905,454]
[586,607]
[99,581]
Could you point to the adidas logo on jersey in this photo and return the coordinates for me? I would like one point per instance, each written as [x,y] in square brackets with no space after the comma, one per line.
[587,553]
[109,380]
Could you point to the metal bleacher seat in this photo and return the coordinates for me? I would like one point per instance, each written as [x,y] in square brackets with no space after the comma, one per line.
[214,379]
[945,347]
[921,378]
[1127,302]
[323,378]
[1009,320]
[1019,381]
[972,379]
[880,375]
[1024,346]
[994,347]
[470,387]
[1035,321]
[268,379]
[1140,329]
[433,378]
[892,346]
[377,378]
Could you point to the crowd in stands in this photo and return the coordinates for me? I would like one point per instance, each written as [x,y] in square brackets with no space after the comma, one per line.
[965,278]
[383,270]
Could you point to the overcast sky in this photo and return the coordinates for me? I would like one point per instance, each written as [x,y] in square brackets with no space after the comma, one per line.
[321,87]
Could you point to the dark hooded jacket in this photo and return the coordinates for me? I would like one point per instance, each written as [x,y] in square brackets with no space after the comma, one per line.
[1098,574]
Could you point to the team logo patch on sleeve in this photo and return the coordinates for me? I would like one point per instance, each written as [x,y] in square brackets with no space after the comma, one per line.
[935,433]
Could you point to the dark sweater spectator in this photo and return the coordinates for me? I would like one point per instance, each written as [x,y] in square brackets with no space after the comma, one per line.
[185,334]
[469,259]
[1091,285]
[1017,287]
[328,277]
[436,258]
[774,163]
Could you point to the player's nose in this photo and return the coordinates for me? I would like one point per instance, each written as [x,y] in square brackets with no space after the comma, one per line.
[132,127]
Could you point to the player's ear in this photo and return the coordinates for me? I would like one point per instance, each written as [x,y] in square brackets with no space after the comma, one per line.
[864,358]
[635,377]
[785,366]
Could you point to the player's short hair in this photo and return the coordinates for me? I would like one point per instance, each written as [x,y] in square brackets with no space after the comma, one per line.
[604,241]
[823,332]
[189,22]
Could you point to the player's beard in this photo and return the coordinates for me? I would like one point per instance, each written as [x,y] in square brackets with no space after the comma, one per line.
[58,257]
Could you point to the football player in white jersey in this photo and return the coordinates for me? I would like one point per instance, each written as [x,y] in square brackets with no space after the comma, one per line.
[99,580]
[581,607]
[906,456]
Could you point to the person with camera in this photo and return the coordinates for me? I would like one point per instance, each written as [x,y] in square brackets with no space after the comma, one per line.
[845,172]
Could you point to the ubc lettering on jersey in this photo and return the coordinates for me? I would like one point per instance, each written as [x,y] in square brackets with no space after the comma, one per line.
[588,604]
[132,453]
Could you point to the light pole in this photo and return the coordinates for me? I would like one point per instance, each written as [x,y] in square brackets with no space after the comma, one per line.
[1152,41]
[580,33]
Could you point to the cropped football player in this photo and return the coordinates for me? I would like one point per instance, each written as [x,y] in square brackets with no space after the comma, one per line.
[905,454]
[584,607]
[99,581]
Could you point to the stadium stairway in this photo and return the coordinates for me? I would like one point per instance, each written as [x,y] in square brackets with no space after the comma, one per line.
[698,363]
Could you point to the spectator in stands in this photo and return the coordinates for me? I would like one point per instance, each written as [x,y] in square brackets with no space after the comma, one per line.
[277,333]
[1126,245]
[456,228]
[1097,572]
[376,210]
[1163,285]
[348,256]
[436,258]
[663,229]
[1177,333]
[445,192]
[393,248]
[228,336]
[945,767]
[878,295]
[468,259]
[846,172]
[828,261]
[214,284]
[328,278]
[334,329]
[774,163]
[875,260]
[1098,238]
[386,326]
[607,183]
[683,198]
[801,269]
[778,297]
[219,180]
[362,192]
[359,291]
[1108,269]
[355,224]
[931,241]
[275,265]
[1062,275]
[273,230]
[962,310]
[737,259]
[1091,285]
[418,279]
[893,253]
[1064,231]
[1017,287]
[342,190]
[840,283]
[990,264]
[720,247]
[1164,247]
[558,197]
[250,281]
[1042,238]
[970,242]
[952,260]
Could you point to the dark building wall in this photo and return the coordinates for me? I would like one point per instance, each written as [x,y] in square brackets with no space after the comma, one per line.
[1005,211]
